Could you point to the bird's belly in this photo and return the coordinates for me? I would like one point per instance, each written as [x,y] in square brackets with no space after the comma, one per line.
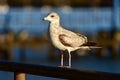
[55,40]
[57,43]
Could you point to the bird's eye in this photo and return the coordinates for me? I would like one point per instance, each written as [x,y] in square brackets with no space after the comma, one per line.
[52,16]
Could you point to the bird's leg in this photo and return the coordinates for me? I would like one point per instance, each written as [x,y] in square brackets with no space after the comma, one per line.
[69,65]
[62,56]
[69,60]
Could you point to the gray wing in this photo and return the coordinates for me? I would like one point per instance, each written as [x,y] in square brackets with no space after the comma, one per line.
[85,38]
[72,39]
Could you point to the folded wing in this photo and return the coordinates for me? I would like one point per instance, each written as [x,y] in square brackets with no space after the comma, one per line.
[72,40]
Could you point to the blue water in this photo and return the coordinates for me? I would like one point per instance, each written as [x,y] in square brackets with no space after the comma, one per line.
[87,62]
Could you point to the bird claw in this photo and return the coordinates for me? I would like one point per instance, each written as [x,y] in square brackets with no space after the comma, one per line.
[61,66]
[65,66]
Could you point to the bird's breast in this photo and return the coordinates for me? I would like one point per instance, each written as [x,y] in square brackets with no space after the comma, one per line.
[54,33]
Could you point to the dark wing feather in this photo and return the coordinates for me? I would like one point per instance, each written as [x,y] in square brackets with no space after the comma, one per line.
[62,40]
[89,44]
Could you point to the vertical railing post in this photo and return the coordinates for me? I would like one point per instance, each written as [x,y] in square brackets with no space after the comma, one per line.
[19,76]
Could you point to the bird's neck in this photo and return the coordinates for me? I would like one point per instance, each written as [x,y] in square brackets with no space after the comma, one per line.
[55,23]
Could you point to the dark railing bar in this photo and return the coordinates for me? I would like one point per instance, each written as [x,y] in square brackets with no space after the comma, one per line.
[56,72]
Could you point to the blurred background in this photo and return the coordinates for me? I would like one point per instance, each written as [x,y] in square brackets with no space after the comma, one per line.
[24,36]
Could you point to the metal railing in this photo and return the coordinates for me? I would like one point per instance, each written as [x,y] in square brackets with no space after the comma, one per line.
[20,69]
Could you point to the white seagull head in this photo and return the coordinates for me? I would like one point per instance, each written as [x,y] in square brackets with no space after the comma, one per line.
[52,17]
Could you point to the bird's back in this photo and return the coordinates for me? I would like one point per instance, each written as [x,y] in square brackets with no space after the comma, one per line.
[73,38]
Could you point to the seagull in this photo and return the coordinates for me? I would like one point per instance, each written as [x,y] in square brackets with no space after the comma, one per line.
[64,39]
